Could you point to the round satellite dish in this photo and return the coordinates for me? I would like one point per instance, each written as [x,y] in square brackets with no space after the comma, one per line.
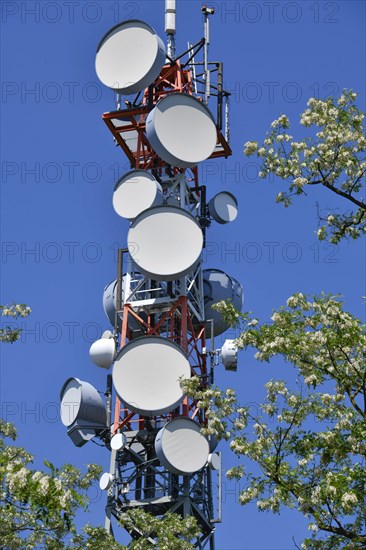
[102,352]
[81,401]
[229,355]
[105,481]
[214,461]
[217,286]
[118,441]
[181,130]
[107,334]
[129,57]
[165,242]
[146,375]
[223,207]
[134,192]
[180,446]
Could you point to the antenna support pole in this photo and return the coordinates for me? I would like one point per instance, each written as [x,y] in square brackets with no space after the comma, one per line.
[227,117]
[170,26]
[206,28]
[146,308]
[119,290]
[219,95]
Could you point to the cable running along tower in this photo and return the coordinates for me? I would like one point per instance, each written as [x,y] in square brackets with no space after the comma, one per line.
[159,304]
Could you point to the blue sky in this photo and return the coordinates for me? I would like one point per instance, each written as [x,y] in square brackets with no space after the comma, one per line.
[60,233]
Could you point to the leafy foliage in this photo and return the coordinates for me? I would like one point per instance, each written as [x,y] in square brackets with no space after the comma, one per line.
[166,530]
[8,334]
[310,444]
[335,159]
[37,509]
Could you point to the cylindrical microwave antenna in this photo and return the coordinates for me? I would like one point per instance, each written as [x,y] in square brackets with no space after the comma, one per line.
[170,26]
[170,15]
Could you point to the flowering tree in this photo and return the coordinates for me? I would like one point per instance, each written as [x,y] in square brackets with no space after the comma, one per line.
[8,334]
[309,439]
[169,531]
[37,509]
[333,158]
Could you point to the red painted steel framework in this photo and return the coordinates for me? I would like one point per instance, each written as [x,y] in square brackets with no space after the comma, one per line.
[173,316]
[129,125]
[191,339]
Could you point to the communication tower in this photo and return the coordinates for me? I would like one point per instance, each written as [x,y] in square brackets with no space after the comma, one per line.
[159,305]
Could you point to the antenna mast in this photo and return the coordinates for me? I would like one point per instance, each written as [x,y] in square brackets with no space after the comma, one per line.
[160,302]
[170,26]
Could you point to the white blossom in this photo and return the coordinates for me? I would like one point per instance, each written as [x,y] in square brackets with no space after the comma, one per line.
[250,147]
[44,484]
[349,500]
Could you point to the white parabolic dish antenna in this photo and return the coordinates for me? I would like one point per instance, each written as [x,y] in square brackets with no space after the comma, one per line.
[165,242]
[130,57]
[223,207]
[135,192]
[180,446]
[181,130]
[105,481]
[146,375]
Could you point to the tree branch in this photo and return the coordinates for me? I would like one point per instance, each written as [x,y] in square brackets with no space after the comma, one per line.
[345,195]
